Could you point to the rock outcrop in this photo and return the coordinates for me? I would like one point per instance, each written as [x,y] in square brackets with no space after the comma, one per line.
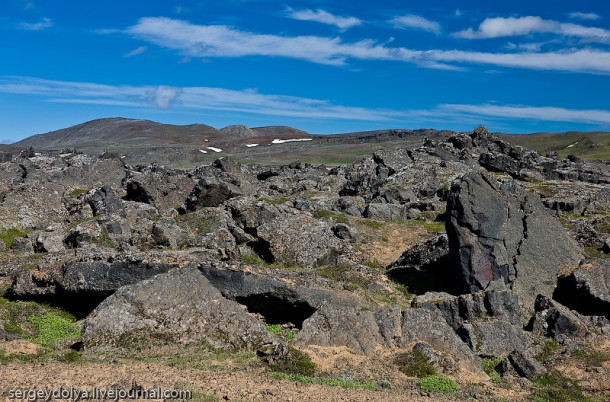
[500,231]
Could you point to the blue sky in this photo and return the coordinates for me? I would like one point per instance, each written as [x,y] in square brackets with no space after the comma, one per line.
[321,66]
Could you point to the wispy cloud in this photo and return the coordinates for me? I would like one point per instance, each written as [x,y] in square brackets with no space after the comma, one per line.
[324,17]
[136,51]
[544,113]
[207,41]
[416,22]
[189,98]
[584,16]
[36,26]
[519,26]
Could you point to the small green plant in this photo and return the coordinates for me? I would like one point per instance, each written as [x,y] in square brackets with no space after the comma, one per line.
[104,240]
[489,366]
[372,224]
[52,327]
[549,350]
[333,272]
[384,239]
[373,264]
[77,191]
[415,364]
[555,387]
[8,235]
[437,384]
[294,362]
[251,259]
[325,215]
[274,329]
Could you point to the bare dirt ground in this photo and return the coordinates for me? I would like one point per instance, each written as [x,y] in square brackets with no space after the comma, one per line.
[206,385]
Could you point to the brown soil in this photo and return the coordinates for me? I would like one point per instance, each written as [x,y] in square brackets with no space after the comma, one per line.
[207,385]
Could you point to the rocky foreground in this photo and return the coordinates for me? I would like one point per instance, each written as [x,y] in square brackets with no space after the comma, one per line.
[466,259]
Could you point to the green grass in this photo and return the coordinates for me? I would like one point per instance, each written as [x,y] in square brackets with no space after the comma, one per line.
[489,366]
[549,350]
[437,383]
[276,201]
[592,358]
[372,224]
[326,380]
[555,387]
[430,226]
[591,145]
[325,215]
[8,235]
[199,222]
[373,264]
[414,364]
[283,332]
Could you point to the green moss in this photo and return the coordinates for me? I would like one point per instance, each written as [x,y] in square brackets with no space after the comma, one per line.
[294,362]
[555,387]
[277,329]
[325,215]
[437,384]
[384,239]
[274,329]
[52,327]
[430,226]
[489,366]
[414,364]
[334,272]
[77,191]
[8,235]
[251,259]
[327,380]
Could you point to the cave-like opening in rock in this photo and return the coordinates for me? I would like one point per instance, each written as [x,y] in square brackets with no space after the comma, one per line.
[573,297]
[276,310]
[79,304]
[135,192]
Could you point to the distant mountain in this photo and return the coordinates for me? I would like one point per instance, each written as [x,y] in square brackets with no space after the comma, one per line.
[280,131]
[102,132]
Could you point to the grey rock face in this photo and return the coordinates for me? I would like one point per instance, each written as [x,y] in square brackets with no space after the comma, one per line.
[300,240]
[489,322]
[178,306]
[502,232]
[211,192]
[526,366]
[22,244]
[587,289]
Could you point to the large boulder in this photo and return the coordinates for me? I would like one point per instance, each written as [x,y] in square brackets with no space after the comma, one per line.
[587,289]
[299,240]
[500,231]
[211,191]
[179,306]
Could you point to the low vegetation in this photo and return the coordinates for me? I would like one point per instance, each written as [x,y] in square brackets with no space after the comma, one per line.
[326,215]
[295,362]
[489,366]
[326,380]
[555,387]
[437,383]
[415,364]
[549,350]
[8,235]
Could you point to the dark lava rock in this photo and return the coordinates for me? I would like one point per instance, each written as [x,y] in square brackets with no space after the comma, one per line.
[503,232]
[587,289]
[526,366]
[211,191]
[179,306]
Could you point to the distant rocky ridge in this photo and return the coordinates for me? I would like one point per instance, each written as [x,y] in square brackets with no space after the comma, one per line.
[232,248]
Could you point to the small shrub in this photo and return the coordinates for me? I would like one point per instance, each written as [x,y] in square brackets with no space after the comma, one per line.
[295,362]
[437,384]
[489,366]
[8,235]
[555,387]
[414,364]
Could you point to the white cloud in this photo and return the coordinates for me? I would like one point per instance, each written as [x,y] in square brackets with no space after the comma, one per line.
[37,26]
[136,51]
[546,113]
[584,16]
[190,98]
[324,17]
[519,26]
[163,95]
[416,22]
